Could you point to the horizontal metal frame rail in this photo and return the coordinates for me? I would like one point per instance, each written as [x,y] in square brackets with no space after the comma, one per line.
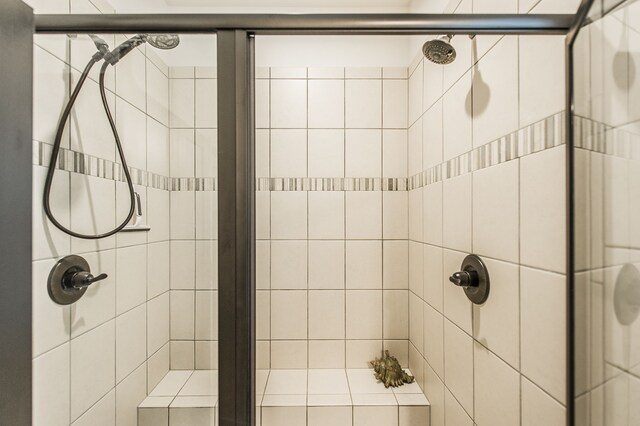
[310,24]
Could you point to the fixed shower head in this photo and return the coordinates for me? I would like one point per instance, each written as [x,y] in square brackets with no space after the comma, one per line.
[440,51]
[163,41]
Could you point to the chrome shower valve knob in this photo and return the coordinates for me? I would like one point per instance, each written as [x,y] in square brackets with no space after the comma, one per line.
[473,277]
[69,280]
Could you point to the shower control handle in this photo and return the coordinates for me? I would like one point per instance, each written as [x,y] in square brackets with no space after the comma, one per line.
[81,279]
[465,279]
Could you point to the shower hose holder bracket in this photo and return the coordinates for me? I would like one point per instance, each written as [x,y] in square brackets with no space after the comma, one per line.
[69,279]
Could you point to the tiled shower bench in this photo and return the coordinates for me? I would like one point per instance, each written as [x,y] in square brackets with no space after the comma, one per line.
[315,397]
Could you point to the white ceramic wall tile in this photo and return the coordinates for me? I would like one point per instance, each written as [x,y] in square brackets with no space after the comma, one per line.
[497,390]
[51,322]
[326,265]
[289,72]
[338,416]
[50,95]
[158,267]
[415,94]
[157,323]
[206,103]
[289,265]
[326,314]
[158,149]
[395,104]
[543,210]
[363,104]
[131,345]
[326,153]
[288,104]
[432,83]
[182,152]
[458,351]
[206,265]
[495,211]
[131,125]
[93,363]
[182,103]
[360,352]
[263,152]
[495,81]
[87,193]
[288,215]
[457,113]
[433,213]
[457,307]
[325,72]
[414,148]
[206,215]
[416,324]
[98,304]
[130,81]
[454,413]
[283,416]
[496,321]
[182,354]
[364,314]
[288,153]
[326,215]
[327,354]
[375,416]
[103,413]
[457,197]
[539,408]
[395,314]
[182,314]
[263,215]
[432,136]
[183,265]
[395,265]
[131,277]
[435,389]
[262,88]
[129,393]
[326,104]
[206,152]
[206,326]
[416,267]
[542,304]
[289,354]
[433,277]
[434,339]
[158,211]
[289,314]
[363,72]
[51,388]
[363,151]
[364,265]
[415,215]
[183,215]
[364,215]
[394,153]
[541,83]
[49,241]
[157,94]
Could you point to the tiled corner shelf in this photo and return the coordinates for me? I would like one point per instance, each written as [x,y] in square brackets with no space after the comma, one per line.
[315,397]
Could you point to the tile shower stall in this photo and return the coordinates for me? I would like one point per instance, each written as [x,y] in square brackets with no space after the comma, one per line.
[373,182]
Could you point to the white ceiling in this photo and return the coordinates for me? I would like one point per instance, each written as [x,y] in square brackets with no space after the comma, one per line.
[291,3]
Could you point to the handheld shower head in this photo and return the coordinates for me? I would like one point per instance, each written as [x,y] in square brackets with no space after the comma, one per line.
[163,41]
[440,51]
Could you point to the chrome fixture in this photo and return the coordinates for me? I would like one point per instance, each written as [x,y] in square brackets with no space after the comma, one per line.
[69,279]
[160,41]
[440,50]
[473,277]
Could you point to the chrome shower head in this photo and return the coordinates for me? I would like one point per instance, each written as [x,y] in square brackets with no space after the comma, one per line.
[440,51]
[163,41]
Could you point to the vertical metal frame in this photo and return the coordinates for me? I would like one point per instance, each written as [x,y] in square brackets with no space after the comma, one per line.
[16,94]
[236,228]
[572,35]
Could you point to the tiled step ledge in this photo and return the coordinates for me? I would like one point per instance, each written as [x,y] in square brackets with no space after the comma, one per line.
[315,397]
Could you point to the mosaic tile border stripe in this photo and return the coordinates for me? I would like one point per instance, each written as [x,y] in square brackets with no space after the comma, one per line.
[541,135]
[331,184]
[599,137]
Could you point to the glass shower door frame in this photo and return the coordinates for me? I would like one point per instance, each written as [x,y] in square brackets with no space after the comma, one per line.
[236,192]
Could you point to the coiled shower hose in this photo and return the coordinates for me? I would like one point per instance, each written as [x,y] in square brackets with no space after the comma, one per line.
[56,149]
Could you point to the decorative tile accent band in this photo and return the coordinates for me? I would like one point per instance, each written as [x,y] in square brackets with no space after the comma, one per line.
[599,137]
[331,184]
[544,134]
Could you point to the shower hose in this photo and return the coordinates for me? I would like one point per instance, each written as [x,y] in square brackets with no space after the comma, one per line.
[56,149]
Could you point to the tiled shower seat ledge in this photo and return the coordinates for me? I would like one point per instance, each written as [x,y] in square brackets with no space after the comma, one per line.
[316,397]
